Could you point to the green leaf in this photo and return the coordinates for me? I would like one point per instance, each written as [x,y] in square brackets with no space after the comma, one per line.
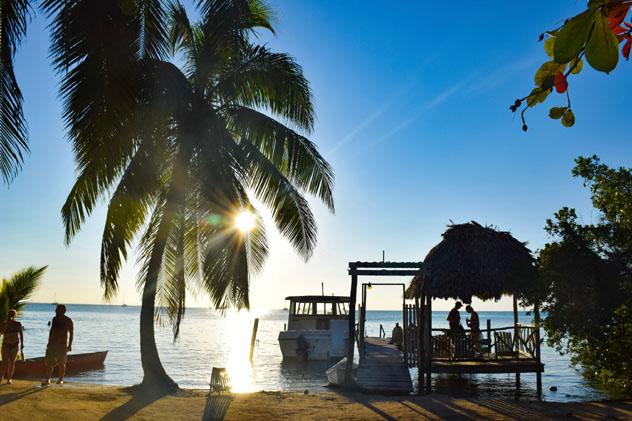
[602,49]
[572,37]
[557,112]
[549,45]
[576,68]
[568,119]
[545,74]
[537,96]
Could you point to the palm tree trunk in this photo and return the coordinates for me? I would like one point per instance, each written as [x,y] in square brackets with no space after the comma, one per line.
[154,374]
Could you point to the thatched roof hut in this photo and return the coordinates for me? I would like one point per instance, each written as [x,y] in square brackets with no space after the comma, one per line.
[473,260]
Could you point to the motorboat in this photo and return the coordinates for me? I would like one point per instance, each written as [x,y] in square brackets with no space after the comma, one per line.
[317,328]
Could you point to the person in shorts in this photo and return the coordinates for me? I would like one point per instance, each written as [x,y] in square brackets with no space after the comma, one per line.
[59,343]
[12,342]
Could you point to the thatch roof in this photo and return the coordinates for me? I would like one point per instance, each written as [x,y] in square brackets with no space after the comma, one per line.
[473,260]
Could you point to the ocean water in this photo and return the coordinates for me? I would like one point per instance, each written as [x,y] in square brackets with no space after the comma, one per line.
[208,339]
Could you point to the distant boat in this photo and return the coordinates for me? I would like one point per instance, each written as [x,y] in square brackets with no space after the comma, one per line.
[284,308]
[54,303]
[36,367]
[123,305]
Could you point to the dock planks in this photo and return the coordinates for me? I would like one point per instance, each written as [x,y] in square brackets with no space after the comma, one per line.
[383,369]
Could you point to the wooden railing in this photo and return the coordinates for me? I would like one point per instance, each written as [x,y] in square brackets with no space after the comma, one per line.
[411,337]
[500,342]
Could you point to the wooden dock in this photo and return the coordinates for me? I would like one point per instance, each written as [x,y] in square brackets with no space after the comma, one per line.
[488,365]
[382,369]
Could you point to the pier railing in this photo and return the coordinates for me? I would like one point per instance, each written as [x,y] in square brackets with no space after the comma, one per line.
[515,342]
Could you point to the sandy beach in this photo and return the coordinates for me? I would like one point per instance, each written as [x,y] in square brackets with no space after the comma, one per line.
[28,400]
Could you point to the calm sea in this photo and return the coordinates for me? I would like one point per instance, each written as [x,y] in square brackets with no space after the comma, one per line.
[208,340]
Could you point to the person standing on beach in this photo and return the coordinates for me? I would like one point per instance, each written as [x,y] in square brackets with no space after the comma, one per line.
[12,341]
[59,343]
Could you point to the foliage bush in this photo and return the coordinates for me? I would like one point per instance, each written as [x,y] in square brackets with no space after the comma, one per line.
[586,279]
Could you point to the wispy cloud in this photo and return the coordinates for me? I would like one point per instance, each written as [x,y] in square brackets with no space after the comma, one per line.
[405,88]
[435,101]
[470,86]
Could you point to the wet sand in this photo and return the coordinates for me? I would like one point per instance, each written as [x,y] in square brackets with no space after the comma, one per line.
[27,400]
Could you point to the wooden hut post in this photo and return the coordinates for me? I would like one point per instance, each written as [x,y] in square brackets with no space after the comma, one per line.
[420,344]
[351,339]
[428,344]
[516,334]
[538,373]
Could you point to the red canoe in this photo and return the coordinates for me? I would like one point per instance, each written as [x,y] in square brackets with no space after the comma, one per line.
[35,367]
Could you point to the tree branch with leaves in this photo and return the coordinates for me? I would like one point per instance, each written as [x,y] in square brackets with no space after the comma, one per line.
[595,35]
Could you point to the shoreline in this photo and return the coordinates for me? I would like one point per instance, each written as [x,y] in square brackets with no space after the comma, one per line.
[26,399]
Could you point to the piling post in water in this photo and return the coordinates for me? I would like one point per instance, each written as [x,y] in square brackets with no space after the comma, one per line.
[253,338]
[489,333]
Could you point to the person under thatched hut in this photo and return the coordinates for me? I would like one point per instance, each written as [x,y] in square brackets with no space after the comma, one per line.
[474,324]
[454,318]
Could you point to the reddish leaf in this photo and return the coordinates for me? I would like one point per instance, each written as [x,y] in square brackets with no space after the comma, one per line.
[626,49]
[619,30]
[561,85]
[629,25]
[617,14]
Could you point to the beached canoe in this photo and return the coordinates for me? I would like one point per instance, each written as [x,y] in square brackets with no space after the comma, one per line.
[35,367]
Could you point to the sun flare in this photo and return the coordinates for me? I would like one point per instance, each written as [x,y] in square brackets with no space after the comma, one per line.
[245,221]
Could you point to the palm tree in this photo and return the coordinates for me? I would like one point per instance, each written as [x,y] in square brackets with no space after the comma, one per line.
[13,133]
[15,290]
[191,148]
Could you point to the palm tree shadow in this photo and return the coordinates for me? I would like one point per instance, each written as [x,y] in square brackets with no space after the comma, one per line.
[216,407]
[141,397]
[10,397]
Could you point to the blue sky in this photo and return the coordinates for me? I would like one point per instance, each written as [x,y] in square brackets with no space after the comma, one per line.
[412,104]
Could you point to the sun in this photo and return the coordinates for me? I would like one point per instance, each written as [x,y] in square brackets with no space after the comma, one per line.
[245,221]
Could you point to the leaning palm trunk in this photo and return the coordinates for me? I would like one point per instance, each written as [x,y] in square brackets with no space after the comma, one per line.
[154,374]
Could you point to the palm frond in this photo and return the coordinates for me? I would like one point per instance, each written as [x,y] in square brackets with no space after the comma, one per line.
[294,155]
[171,292]
[153,32]
[13,130]
[19,288]
[267,80]
[290,210]
[127,210]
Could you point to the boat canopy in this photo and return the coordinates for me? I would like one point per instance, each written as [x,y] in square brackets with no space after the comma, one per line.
[319,298]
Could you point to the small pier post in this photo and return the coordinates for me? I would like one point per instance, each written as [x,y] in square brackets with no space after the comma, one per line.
[516,340]
[253,338]
[352,304]
[428,344]
[538,373]
[489,332]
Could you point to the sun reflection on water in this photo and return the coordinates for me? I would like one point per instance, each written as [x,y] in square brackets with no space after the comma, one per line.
[238,366]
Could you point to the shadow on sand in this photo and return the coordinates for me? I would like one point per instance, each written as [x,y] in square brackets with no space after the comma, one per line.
[216,407]
[10,397]
[442,406]
[141,397]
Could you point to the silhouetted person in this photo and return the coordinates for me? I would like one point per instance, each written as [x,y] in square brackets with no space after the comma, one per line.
[59,343]
[474,324]
[12,342]
[454,317]
[397,337]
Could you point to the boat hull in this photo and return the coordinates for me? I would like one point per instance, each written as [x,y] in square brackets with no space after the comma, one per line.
[306,345]
[36,367]
[336,373]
